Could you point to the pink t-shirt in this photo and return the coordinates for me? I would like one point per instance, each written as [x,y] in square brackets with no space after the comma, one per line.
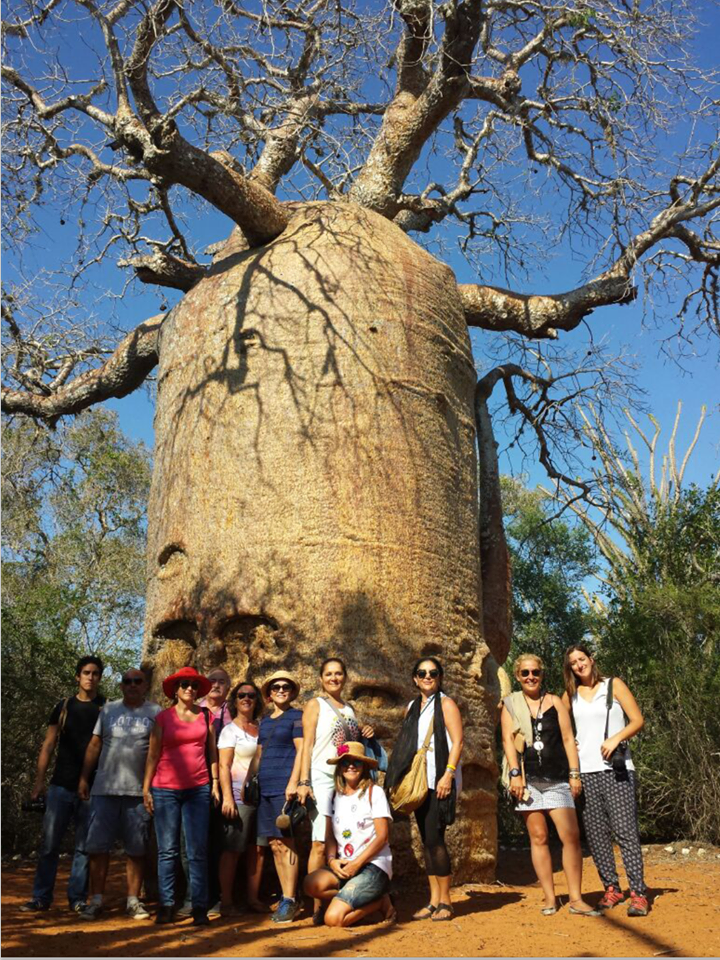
[182,762]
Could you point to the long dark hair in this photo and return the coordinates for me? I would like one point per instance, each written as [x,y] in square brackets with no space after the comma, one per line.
[571,683]
[232,699]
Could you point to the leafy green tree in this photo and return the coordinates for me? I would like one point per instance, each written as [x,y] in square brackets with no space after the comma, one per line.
[551,560]
[74,503]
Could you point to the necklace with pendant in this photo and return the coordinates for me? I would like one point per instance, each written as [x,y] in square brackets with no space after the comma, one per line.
[537,726]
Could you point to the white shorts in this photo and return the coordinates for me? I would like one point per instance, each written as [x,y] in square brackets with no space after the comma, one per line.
[546,795]
[323,786]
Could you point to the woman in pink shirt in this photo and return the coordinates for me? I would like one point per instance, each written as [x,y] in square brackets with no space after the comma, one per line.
[181,774]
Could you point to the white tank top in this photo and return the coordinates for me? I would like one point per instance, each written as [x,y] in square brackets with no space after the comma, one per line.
[426,715]
[330,734]
[590,726]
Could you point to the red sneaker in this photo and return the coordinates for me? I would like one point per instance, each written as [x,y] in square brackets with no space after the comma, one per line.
[611,898]
[639,906]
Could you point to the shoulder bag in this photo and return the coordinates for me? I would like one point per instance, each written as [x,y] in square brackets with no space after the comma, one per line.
[410,793]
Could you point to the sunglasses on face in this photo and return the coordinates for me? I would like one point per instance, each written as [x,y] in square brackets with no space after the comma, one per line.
[344,764]
[530,673]
[189,683]
[133,681]
[433,674]
[281,688]
[248,695]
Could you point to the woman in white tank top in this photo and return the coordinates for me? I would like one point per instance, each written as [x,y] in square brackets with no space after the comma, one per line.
[610,799]
[328,722]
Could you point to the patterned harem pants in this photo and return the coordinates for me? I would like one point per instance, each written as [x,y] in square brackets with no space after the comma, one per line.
[610,807]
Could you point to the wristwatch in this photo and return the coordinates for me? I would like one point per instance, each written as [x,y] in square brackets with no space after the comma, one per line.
[514,772]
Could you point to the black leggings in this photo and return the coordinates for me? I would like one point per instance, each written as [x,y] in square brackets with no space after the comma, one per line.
[437,858]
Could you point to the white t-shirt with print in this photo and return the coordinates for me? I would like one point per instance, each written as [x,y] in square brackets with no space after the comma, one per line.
[244,745]
[353,826]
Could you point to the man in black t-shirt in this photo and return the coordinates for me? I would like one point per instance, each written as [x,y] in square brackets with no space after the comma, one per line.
[70,726]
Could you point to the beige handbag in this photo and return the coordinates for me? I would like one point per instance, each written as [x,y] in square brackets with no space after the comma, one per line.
[409,794]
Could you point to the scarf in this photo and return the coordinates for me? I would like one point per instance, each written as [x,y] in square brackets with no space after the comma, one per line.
[517,707]
[406,747]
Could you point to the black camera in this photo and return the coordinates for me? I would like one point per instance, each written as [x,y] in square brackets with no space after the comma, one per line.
[618,757]
[34,806]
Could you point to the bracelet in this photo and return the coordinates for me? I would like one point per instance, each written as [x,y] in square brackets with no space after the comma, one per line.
[304,783]
[574,770]
[451,767]
[574,776]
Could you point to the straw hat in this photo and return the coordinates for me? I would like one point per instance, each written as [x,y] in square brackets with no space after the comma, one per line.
[356,751]
[186,673]
[279,675]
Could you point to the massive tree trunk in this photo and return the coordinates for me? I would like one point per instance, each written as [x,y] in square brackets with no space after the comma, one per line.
[315,486]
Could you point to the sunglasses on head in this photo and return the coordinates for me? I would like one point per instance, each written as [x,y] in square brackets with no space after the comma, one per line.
[189,683]
[531,673]
[247,695]
[130,681]
[281,688]
[433,674]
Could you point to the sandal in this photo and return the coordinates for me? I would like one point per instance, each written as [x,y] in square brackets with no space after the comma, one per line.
[425,912]
[447,908]
[390,913]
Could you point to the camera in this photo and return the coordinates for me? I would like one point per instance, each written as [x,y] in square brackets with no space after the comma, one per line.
[618,757]
[34,806]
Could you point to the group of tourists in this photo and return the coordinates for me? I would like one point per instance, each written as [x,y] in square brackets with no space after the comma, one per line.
[228,771]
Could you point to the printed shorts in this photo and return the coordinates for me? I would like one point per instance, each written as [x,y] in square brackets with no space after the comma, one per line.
[113,818]
[546,795]
[368,885]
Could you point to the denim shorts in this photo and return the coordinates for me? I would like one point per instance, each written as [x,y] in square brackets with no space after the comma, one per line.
[368,885]
[114,817]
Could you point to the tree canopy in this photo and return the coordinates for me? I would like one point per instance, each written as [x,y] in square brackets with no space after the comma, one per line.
[509,124]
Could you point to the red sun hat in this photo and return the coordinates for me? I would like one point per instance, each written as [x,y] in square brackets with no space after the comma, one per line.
[186,673]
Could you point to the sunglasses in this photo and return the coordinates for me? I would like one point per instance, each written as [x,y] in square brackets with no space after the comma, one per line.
[189,683]
[281,688]
[133,681]
[350,762]
[433,674]
[248,695]
[530,673]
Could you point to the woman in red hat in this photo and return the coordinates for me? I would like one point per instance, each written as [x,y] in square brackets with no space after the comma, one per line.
[181,775]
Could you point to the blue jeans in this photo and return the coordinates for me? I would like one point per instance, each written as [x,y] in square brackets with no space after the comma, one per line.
[192,807]
[62,806]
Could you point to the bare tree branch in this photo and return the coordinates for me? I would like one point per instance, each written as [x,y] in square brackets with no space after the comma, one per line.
[122,373]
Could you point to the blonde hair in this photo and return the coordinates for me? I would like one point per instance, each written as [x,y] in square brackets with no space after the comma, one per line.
[364,783]
[527,656]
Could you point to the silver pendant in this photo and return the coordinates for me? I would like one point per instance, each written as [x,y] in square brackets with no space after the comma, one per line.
[539,745]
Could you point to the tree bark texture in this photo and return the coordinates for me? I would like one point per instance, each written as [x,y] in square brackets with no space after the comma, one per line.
[315,485]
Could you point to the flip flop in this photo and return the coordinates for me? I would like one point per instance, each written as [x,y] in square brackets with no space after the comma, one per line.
[424,913]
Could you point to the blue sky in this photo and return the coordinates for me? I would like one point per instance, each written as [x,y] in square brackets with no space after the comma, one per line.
[692,379]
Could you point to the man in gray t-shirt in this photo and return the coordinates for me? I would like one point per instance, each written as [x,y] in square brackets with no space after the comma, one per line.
[120,741]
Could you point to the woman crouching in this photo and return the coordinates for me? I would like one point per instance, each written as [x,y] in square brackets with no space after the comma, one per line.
[357,849]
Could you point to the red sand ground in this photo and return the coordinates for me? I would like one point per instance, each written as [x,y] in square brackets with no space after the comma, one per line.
[501,919]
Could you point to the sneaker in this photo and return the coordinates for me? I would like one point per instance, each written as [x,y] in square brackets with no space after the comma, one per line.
[137,911]
[34,906]
[91,911]
[611,898]
[286,911]
[215,910]
[78,906]
[185,910]
[639,906]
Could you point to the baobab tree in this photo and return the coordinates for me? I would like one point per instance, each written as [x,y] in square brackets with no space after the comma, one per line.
[325,473]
